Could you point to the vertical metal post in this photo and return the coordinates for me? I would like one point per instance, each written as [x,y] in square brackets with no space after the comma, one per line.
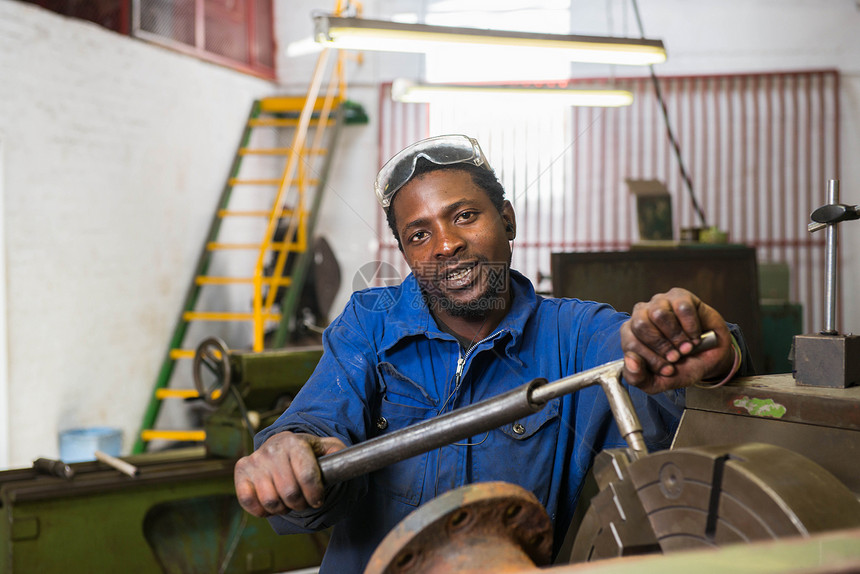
[830,270]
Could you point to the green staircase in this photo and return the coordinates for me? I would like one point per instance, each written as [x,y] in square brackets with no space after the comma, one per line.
[284,205]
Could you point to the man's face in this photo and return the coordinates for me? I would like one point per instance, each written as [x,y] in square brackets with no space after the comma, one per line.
[456,242]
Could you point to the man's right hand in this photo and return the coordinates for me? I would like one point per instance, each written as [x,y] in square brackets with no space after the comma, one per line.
[283,474]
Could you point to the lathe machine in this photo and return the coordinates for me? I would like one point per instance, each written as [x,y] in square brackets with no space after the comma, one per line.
[179,512]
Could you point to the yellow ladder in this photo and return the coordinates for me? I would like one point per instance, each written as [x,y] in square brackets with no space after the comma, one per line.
[287,214]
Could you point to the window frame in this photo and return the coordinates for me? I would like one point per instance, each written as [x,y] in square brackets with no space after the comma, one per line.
[128,23]
[252,67]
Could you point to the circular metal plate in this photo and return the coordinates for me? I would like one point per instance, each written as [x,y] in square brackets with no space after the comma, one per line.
[713,496]
[482,527]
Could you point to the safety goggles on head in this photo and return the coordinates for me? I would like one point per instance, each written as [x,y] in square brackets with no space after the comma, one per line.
[441,150]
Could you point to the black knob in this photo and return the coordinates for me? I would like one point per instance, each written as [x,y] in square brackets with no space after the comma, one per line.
[834,213]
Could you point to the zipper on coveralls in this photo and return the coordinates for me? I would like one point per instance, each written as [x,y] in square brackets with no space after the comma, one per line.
[458,374]
[461,360]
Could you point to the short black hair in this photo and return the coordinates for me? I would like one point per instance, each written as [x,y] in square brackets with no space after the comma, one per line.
[483,178]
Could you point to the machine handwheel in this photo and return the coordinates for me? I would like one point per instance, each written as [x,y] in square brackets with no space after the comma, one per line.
[214,355]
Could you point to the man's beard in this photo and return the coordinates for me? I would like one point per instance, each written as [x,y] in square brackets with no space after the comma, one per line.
[496,281]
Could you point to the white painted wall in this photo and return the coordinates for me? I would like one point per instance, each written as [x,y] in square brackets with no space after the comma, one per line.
[4,349]
[115,152]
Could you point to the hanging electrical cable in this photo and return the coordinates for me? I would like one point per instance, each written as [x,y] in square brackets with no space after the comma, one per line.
[659,92]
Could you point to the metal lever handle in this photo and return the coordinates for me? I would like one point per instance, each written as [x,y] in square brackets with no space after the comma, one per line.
[609,377]
[834,213]
[487,415]
[830,214]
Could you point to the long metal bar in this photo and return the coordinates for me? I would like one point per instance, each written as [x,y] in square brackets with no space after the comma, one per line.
[425,436]
[490,414]
[830,263]
[836,169]
[486,415]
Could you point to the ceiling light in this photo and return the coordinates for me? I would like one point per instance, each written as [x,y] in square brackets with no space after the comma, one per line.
[408,91]
[361,34]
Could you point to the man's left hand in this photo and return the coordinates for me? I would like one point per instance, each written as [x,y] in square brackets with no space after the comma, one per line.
[659,338]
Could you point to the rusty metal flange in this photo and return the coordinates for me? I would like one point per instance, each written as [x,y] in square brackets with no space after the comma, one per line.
[482,527]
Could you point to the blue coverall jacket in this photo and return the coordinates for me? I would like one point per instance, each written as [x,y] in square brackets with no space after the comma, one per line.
[387,365]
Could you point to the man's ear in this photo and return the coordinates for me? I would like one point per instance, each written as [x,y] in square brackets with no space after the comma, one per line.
[510,220]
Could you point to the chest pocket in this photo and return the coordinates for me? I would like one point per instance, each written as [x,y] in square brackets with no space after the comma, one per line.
[529,446]
[404,402]
[527,427]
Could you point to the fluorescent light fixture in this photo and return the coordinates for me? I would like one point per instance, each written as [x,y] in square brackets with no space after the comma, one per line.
[303,47]
[361,34]
[407,91]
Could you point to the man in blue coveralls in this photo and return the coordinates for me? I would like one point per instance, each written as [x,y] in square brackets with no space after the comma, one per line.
[464,327]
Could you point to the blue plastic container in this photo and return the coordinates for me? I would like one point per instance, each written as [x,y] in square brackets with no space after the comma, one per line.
[78,445]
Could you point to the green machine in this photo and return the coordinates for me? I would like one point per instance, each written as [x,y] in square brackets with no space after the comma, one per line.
[177,512]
